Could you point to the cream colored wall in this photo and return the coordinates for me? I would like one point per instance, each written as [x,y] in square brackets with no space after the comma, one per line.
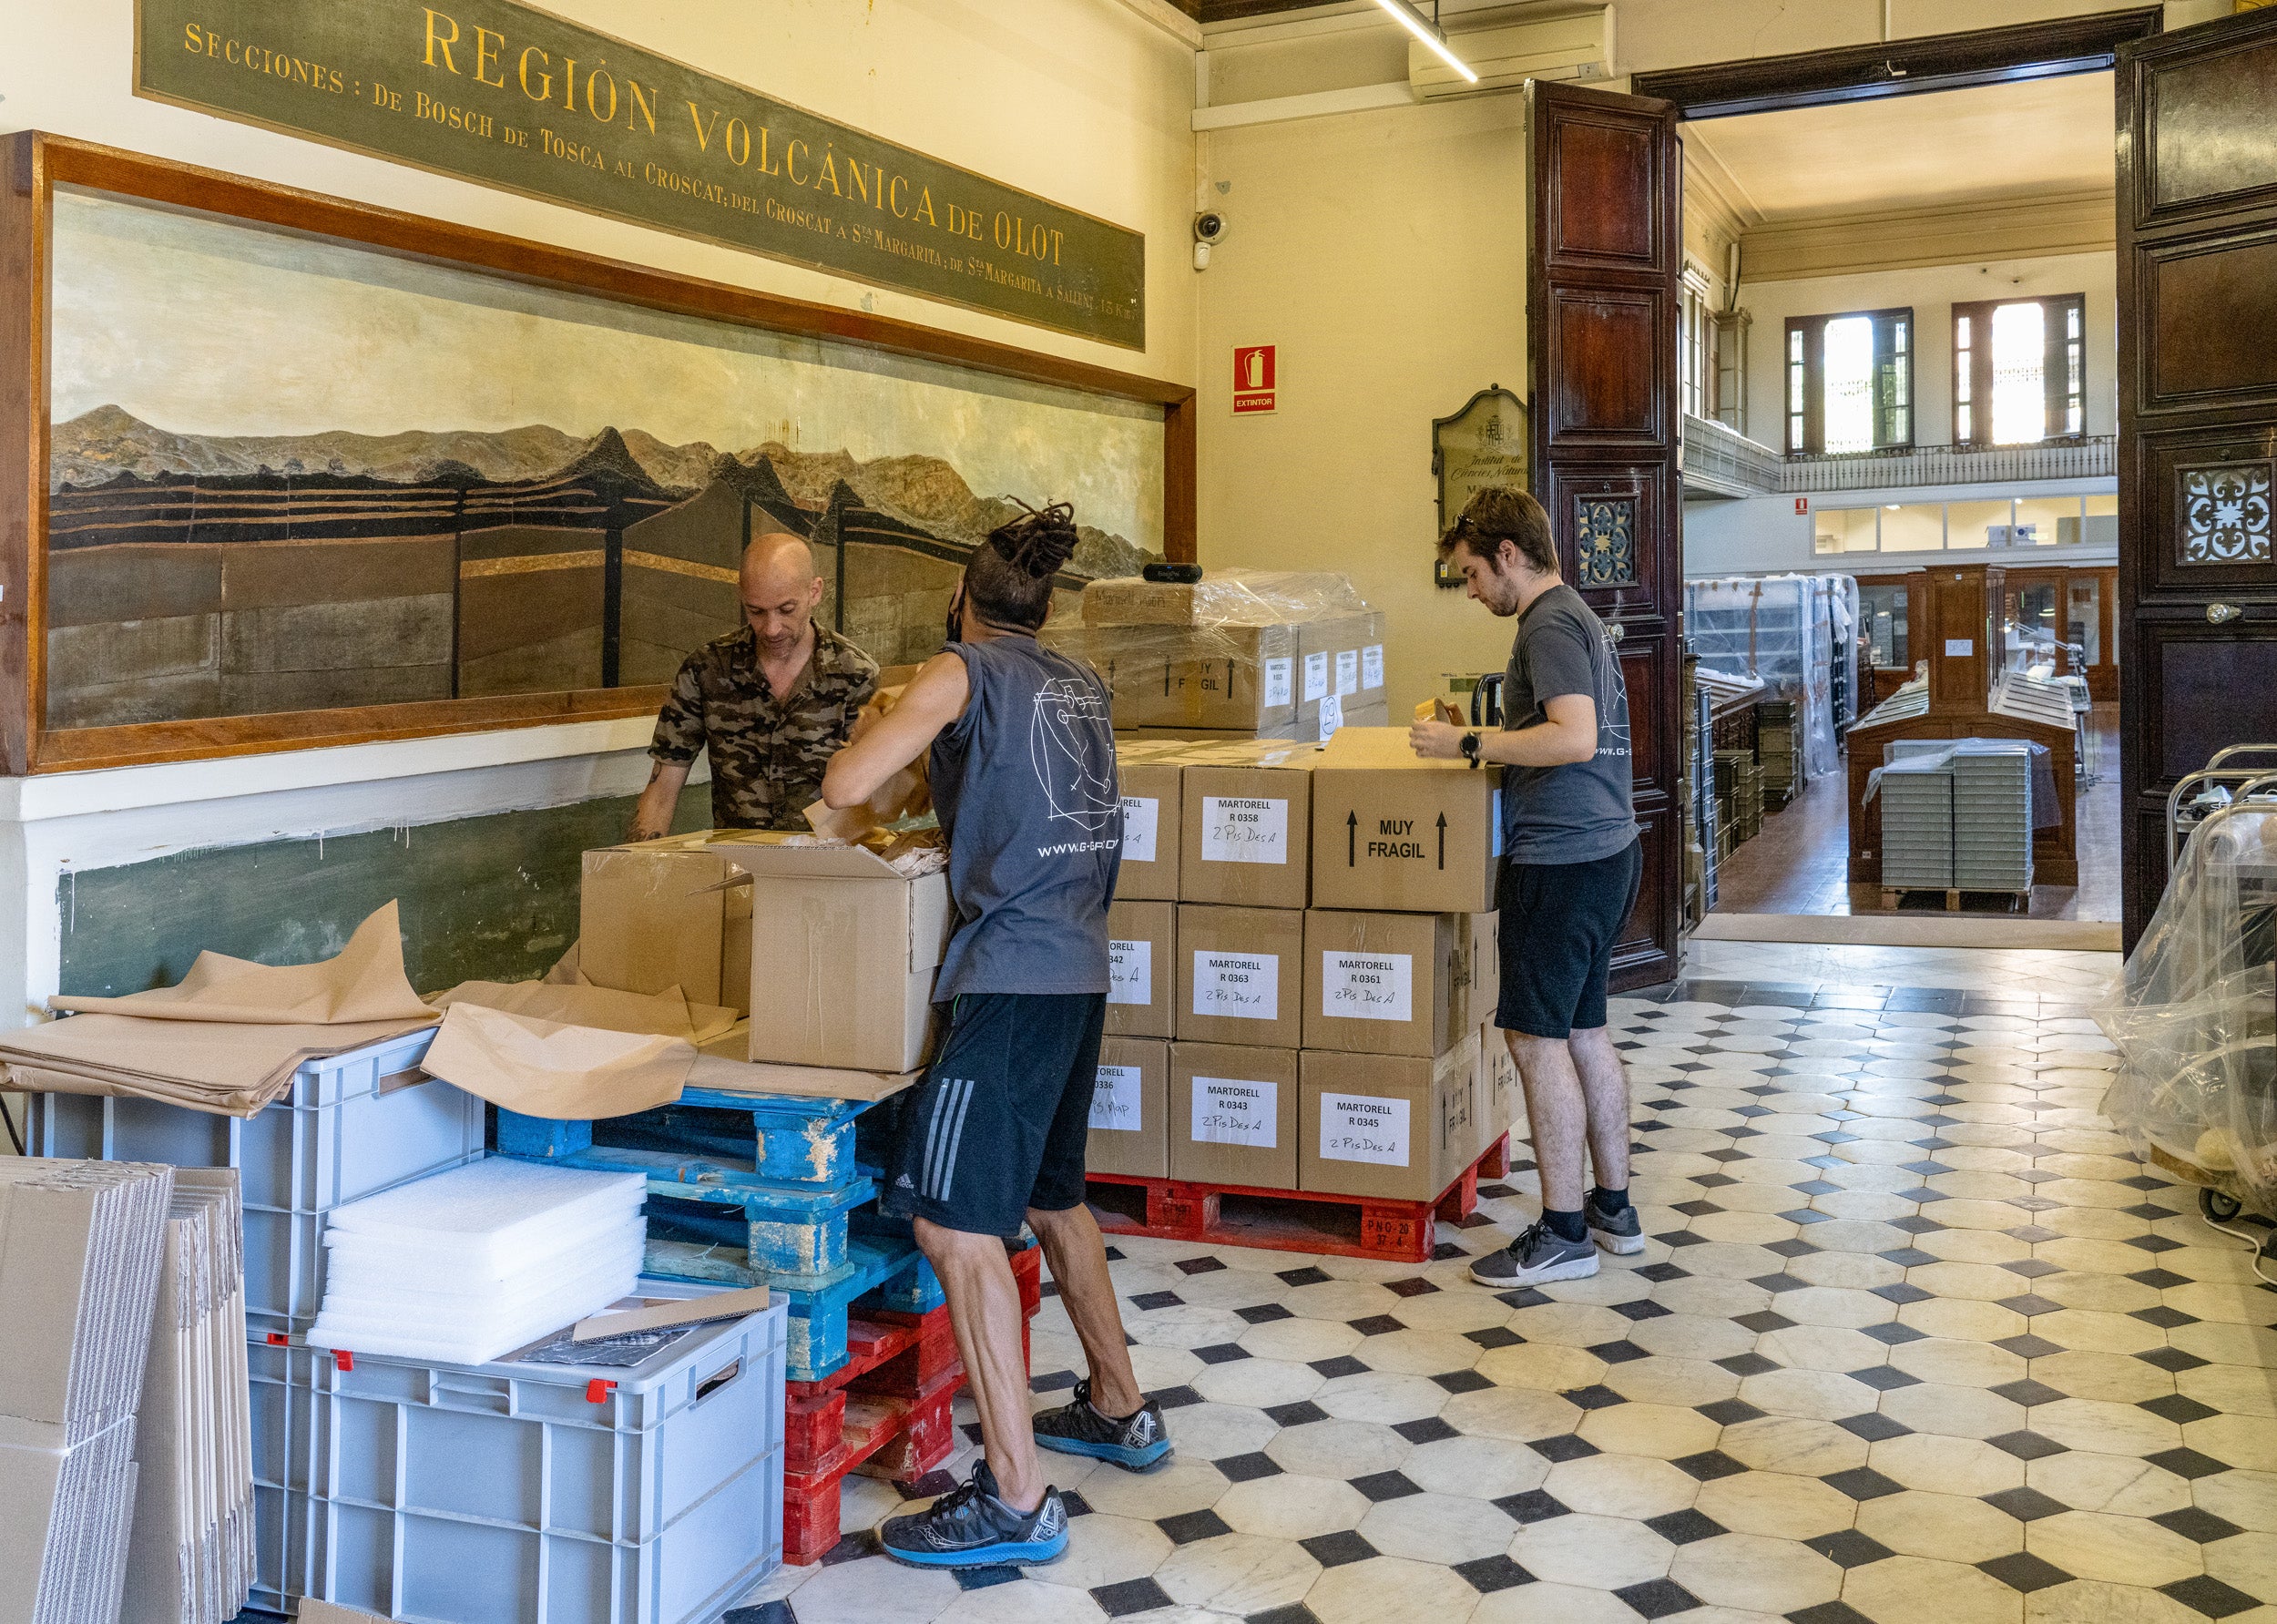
[1386,254]
[1932,292]
[1086,102]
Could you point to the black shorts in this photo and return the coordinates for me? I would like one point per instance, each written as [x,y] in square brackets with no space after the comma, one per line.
[1559,922]
[1001,1122]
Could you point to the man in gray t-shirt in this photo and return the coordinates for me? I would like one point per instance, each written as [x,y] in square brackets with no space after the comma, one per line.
[1570,832]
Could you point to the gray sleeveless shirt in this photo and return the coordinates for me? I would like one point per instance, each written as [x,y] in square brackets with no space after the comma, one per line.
[1025,784]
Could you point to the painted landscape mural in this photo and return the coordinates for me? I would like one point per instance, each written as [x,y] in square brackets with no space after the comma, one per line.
[289,475]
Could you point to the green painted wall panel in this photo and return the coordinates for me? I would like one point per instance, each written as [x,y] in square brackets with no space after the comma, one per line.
[492,898]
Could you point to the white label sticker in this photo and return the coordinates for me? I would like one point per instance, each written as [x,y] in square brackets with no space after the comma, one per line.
[1277,673]
[1244,986]
[1315,677]
[1140,813]
[1130,973]
[1368,986]
[1363,1128]
[1242,829]
[1348,672]
[1231,1110]
[1372,665]
[1331,716]
[1959,648]
[1115,1100]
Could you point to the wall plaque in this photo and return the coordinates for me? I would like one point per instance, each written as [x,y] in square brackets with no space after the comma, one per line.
[1482,444]
[512,97]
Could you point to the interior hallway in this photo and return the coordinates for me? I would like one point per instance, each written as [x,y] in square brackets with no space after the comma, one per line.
[1916,1340]
[1800,863]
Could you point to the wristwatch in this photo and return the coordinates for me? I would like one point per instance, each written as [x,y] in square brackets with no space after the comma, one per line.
[1470,749]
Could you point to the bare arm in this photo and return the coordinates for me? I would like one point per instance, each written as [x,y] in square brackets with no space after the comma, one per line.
[653,817]
[934,698]
[1568,734]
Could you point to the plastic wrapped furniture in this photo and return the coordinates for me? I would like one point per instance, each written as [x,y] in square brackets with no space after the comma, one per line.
[2195,1017]
[1780,628]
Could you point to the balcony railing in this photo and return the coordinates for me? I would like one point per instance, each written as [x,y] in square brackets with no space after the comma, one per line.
[1719,461]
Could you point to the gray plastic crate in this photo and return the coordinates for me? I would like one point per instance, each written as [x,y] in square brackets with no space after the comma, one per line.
[282,1402]
[353,1123]
[467,1494]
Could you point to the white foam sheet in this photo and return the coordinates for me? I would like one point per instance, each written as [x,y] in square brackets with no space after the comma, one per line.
[472,1264]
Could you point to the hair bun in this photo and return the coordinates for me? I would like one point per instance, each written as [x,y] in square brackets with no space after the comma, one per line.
[1040,541]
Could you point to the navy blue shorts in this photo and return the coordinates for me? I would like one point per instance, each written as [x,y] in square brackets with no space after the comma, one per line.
[1004,1117]
[1559,922]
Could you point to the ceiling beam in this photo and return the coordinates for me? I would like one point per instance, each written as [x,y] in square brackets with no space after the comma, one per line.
[1235,11]
[1901,67]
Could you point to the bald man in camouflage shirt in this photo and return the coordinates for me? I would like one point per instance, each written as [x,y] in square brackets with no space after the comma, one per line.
[771,701]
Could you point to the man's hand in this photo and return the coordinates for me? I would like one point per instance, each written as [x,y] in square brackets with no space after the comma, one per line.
[652,818]
[1436,741]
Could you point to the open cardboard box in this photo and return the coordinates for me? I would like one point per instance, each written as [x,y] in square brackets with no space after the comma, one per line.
[653,914]
[843,952]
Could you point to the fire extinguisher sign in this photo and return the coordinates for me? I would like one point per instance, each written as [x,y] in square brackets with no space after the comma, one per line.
[1256,382]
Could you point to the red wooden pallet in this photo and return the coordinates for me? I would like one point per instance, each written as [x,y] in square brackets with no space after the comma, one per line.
[888,1411]
[1298,1220]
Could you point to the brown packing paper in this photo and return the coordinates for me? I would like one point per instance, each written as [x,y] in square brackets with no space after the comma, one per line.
[662,1315]
[907,794]
[545,1069]
[805,1082]
[657,1014]
[364,982]
[226,1069]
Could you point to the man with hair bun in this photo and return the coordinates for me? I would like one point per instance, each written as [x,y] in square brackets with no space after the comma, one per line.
[1023,770]
[1570,832]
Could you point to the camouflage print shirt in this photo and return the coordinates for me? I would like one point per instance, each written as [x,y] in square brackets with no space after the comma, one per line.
[767,755]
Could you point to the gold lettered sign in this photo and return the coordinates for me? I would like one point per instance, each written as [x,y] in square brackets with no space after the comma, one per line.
[515,98]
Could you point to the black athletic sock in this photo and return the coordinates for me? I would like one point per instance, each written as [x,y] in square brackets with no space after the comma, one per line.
[1612,1202]
[1567,1226]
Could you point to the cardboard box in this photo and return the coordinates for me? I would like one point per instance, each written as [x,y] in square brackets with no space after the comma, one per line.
[1235,677]
[1393,831]
[1129,1109]
[1486,966]
[1333,715]
[1501,1097]
[844,951]
[1343,657]
[1240,975]
[652,915]
[1387,984]
[1233,1115]
[1151,826]
[1141,967]
[1402,1128]
[1247,833]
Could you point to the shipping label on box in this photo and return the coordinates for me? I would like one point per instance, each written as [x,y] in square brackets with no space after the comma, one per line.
[1398,1127]
[1391,830]
[1129,1118]
[1141,967]
[1247,833]
[1279,682]
[1233,1114]
[1386,984]
[844,951]
[1371,669]
[1238,975]
[1150,793]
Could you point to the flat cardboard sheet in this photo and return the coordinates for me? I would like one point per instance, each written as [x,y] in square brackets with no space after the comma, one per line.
[804,1082]
[545,1068]
[229,1069]
[666,1014]
[364,982]
[664,1315]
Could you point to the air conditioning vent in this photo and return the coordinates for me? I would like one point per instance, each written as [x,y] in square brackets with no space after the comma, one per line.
[1576,44]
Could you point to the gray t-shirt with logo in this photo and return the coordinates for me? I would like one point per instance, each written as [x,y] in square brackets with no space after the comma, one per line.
[1580,812]
[1025,784]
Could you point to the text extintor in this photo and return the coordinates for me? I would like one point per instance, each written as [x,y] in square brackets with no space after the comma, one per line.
[1256,380]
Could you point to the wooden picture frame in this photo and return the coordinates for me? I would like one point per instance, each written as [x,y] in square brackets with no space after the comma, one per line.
[35,163]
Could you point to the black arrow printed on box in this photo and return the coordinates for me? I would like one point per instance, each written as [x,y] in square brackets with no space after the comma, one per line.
[1352,839]
[1443,840]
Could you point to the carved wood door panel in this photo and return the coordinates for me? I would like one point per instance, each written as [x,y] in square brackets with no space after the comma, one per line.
[1605,248]
[2197,625]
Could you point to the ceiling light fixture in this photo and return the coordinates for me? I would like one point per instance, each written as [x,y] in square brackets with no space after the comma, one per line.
[1427,30]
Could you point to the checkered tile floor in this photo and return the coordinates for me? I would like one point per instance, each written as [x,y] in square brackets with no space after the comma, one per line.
[1915,1338]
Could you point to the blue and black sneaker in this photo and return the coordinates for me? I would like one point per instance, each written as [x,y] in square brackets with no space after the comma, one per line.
[969,1527]
[1137,1443]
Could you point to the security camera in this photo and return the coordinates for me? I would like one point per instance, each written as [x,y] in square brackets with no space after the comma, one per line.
[1209,230]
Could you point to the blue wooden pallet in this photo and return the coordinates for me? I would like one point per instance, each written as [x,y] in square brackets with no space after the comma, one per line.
[781,1139]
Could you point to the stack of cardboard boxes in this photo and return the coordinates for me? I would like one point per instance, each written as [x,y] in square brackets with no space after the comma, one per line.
[1304,955]
[1233,657]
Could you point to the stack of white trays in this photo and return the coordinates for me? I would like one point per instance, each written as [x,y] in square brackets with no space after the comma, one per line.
[1917,823]
[1992,814]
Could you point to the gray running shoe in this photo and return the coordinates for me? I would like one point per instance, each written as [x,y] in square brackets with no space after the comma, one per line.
[1620,1233]
[1536,1258]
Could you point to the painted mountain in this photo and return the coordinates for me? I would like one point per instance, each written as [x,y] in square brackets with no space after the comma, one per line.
[195,575]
